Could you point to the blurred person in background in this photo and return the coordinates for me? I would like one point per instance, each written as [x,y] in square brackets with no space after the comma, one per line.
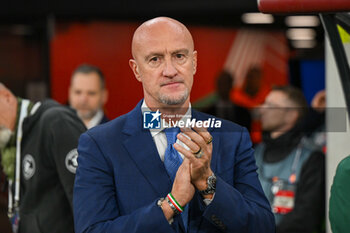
[88,94]
[38,145]
[251,95]
[291,169]
[254,90]
[223,107]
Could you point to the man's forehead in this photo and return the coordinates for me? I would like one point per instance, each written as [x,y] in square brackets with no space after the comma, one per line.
[164,35]
[279,97]
[161,25]
[277,93]
[163,45]
[83,81]
[85,77]
[161,33]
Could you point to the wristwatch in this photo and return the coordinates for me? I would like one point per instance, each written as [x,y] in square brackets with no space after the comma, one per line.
[211,181]
[160,202]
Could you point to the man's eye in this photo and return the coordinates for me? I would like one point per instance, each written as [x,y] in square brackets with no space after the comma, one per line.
[92,93]
[154,59]
[180,56]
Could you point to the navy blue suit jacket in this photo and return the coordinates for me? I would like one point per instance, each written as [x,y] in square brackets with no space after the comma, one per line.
[120,177]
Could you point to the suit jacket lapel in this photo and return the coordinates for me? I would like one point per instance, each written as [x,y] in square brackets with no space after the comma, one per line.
[143,151]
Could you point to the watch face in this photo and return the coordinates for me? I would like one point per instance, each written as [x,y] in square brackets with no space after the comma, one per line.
[212,181]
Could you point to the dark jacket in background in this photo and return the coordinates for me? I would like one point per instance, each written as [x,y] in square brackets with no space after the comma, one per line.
[48,163]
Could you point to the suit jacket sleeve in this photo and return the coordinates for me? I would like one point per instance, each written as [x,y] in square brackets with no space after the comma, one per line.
[241,207]
[95,204]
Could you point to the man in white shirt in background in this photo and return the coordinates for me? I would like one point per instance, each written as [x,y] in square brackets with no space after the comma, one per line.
[88,95]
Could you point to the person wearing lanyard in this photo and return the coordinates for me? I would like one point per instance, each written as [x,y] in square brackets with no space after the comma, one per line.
[138,173]
[38,145]
[291,169]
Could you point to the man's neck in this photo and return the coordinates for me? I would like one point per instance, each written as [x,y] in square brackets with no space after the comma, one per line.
[277,133]
[86,122]
[95,120]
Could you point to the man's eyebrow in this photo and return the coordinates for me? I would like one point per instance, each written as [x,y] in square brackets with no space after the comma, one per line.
[157,54]
[184,51]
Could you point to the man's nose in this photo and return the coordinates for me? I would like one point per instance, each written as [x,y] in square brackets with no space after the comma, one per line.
[169,69]
[83,98]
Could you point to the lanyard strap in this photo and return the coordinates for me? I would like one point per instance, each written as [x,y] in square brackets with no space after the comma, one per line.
[10,200]
[294,164]
[297,156]
[22,115]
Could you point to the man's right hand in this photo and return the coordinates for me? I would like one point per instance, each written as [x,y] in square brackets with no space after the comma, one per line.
[183,190]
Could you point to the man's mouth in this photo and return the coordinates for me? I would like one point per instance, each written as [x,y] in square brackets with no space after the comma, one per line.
[172,83]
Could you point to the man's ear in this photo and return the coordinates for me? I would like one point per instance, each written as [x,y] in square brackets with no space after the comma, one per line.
[135,69]
[104,96]
[70,91]
[194,62]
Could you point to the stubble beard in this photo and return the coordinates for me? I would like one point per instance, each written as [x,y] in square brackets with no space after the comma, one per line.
[169,100]
[87,115]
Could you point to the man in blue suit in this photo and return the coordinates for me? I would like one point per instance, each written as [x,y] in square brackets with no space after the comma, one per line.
[134,179]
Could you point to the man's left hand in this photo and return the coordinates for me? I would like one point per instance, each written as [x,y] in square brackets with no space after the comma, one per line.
[199,155]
